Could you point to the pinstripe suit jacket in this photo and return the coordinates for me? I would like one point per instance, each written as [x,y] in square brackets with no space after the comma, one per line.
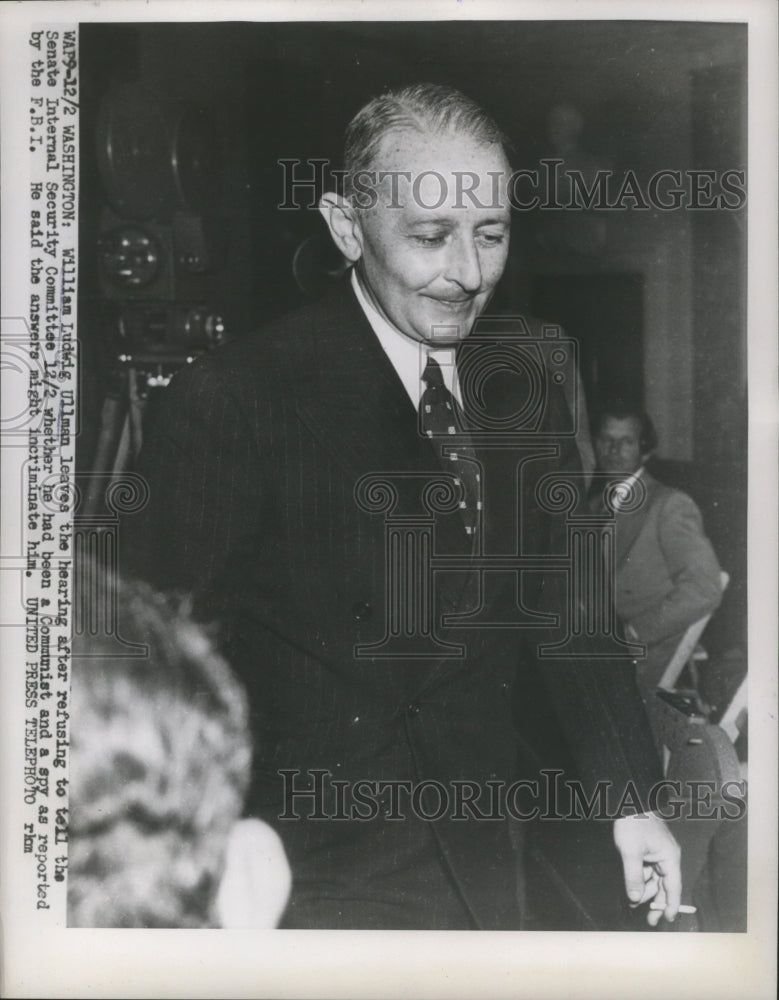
[252,466]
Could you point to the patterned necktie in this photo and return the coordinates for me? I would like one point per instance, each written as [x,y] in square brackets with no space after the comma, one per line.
[441,420]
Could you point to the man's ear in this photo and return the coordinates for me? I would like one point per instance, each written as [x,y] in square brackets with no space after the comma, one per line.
[343,223]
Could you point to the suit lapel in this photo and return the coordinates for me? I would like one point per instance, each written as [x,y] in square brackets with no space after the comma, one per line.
[358,409]
[630,525]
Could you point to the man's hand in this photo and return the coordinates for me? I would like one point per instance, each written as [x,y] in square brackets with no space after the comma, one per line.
[651,863]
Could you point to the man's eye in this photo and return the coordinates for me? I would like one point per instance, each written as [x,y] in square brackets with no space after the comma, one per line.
[430,241]
[492,239]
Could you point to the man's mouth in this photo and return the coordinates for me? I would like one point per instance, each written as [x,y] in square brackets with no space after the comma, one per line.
[454,303]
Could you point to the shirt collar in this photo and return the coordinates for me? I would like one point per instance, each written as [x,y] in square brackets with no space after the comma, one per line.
[408,357]
[624,488]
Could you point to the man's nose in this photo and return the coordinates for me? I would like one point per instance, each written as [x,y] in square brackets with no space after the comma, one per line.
[464,265]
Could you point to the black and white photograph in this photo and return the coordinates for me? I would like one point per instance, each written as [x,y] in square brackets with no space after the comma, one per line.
[389,499]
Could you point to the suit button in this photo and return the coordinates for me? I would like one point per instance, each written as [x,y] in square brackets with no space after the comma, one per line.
[362,611]
[413,708]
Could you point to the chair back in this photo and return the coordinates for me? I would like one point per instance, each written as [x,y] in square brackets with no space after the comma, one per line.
[691,748]
[687,645]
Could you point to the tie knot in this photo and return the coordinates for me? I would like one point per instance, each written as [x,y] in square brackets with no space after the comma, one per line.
[432,376]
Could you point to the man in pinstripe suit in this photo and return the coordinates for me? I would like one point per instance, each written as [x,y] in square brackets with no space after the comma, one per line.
[277,470]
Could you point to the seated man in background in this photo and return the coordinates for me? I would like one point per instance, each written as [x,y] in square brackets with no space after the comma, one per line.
[667,575]
[160,758]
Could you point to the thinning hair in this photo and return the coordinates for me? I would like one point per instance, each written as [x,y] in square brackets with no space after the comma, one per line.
[160,758]
[428,108]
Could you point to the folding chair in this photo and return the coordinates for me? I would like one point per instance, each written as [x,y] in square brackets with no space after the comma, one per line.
[686,648]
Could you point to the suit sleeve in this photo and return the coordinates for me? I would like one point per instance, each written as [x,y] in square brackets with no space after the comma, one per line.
[693,570]
[199,465]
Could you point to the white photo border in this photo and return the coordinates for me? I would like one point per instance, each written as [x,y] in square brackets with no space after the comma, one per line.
[41,960]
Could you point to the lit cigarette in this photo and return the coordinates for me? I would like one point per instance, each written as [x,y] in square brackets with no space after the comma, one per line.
[684,908]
